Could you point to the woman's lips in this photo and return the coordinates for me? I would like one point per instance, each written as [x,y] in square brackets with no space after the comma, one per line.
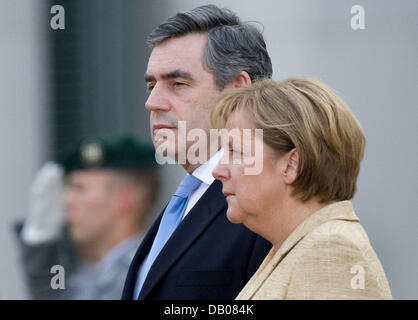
[227,194]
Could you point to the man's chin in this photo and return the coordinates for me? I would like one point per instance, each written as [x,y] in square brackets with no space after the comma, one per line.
[164,147]
[76,239]
[167,151]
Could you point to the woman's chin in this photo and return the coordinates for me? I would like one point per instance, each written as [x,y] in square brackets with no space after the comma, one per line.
[234,216]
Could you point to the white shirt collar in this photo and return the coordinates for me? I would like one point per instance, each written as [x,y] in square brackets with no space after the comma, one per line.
[204,172]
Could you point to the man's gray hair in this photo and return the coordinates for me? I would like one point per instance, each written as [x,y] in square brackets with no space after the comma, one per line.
[232,47]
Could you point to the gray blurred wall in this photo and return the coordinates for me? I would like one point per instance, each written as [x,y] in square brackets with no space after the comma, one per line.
[23,124]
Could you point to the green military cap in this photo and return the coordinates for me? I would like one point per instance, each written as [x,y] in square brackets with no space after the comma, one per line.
[121,152]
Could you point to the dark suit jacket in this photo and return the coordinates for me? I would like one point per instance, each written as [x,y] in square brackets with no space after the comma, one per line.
[207,257]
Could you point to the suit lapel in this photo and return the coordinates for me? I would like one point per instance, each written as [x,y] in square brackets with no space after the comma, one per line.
[342,210]
[140,255]
[201,215]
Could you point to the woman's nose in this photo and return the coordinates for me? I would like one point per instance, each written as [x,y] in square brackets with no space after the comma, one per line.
[221,172]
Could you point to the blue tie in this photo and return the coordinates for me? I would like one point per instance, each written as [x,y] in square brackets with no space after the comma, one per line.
[172,216]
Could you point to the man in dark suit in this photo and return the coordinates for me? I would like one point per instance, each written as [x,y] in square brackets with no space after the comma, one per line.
[192,251]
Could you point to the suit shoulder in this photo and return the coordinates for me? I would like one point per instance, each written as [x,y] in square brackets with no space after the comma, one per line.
[339,235]
[324,264]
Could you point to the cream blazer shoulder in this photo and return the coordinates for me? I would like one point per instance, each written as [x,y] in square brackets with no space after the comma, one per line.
[328,256]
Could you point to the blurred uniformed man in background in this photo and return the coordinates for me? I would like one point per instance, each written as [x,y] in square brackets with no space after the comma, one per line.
[107,188]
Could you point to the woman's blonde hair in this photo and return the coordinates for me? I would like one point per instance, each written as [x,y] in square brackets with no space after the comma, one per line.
[303,114]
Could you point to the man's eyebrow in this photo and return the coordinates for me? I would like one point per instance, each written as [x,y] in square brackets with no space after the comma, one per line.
[170,75]
[149,78]
[177,74]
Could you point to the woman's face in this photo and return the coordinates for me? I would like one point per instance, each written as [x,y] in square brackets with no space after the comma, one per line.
[251,198]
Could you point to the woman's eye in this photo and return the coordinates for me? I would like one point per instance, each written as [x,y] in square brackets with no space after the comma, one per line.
[150,87]
[235,151]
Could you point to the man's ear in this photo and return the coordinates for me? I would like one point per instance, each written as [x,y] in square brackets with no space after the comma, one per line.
[291,166]
[241,80]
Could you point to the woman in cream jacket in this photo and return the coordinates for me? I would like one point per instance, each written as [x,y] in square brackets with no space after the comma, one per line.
[311,148]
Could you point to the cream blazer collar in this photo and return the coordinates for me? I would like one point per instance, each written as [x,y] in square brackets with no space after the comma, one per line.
[342,210]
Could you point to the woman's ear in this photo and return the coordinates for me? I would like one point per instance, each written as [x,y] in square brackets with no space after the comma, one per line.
[291,166]
[241,80]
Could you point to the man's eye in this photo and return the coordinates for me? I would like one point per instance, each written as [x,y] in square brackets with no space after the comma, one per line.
[178,84]
[150,85]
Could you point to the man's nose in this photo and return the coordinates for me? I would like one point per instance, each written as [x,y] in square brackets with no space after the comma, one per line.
[157,100]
